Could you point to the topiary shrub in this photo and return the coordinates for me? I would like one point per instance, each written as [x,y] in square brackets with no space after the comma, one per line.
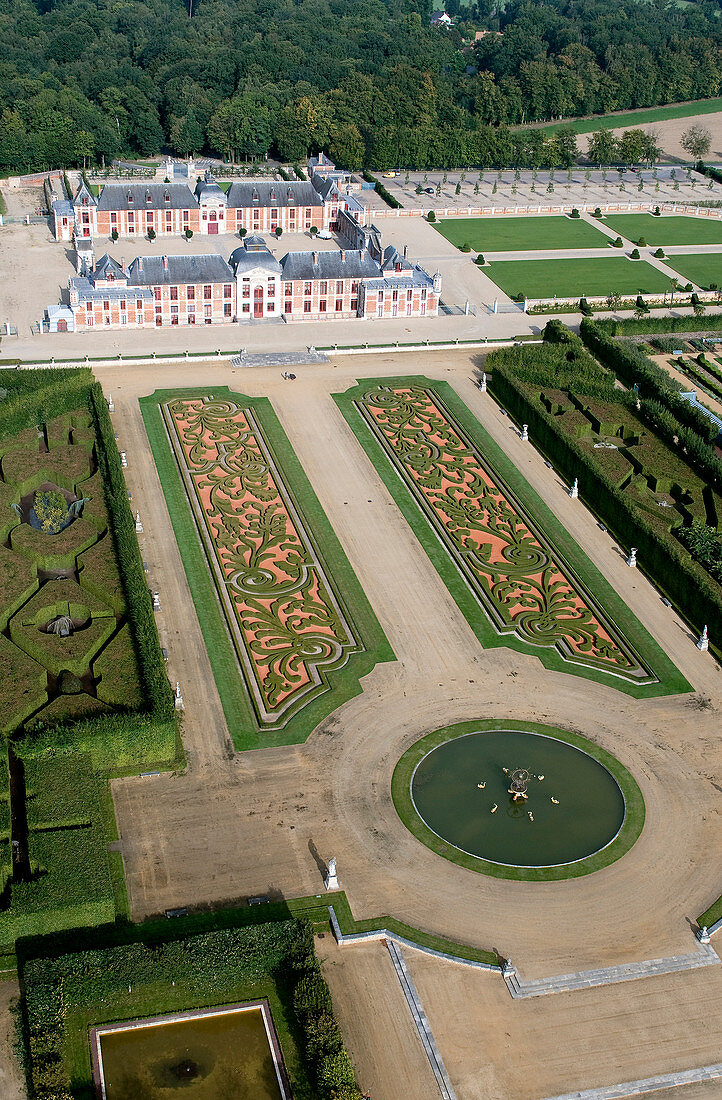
[575,213]
[642,242]
[659,254]
[634,254]
[656,213]
[466,247]
[480,260]
[598,212]
[619,243]
[431,216]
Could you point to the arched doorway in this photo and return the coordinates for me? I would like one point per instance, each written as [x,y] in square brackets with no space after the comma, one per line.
[213,222]
[258,301]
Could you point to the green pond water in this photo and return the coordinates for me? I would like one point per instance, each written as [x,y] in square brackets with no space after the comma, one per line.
[223,1057]
[589,813]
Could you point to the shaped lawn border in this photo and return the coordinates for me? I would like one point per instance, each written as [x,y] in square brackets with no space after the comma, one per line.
[627,836]
[667,679]
[344,682]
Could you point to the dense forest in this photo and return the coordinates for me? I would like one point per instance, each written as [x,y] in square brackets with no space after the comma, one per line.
[370,81]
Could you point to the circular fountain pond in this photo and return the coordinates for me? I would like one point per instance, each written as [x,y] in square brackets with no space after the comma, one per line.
[518,800]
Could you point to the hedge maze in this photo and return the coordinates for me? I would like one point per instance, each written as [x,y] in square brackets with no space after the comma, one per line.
[83,692]
[287,627]
[64,627]
[629,460]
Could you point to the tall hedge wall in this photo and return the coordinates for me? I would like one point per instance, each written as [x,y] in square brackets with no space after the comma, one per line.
[633,326]
[158,692]
[684,581]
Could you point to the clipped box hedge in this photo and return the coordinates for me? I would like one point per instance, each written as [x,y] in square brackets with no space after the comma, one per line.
[660,555]
[61,792]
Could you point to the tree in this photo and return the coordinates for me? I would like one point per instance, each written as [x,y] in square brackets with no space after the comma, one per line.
[151,234]
[602,147]
[696,141]
[114,235]
[188,234]
[187,134]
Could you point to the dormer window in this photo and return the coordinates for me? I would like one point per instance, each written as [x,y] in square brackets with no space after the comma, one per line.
[273,194]
[148,197]
[110,277]
[130,196]
[290,195]
[84,200]
[397,267]
[166,197]
[255,196]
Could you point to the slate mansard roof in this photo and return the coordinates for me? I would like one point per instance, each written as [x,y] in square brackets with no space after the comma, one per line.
[174,270]
[259,194]
[134,196]
[329,265]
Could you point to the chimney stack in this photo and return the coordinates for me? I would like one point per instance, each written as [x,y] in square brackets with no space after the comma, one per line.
[406,248]
[140,263]
[165,263]
[315,259]
[343,255]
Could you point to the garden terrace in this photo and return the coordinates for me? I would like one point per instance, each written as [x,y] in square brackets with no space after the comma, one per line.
[644,501]
[497,553]
[286,624]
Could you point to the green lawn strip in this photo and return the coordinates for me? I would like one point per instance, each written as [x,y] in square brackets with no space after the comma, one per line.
[668,229]
[576,278]
[701,269]
[350,926]
[521,234]
[625,839]
[115,859]
[711,915]
[344,682]
[636,118]
[670,680]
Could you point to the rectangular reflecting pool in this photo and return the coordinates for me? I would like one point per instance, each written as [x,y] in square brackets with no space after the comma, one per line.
[226,1053]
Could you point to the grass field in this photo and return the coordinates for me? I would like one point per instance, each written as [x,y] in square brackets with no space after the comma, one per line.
[666,230]
[521,234]
[575,278]
[638,118]
[700,269]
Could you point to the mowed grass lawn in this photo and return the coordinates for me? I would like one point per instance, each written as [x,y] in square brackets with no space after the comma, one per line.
[671,229]
[699,269]
[574,278]
[522,234]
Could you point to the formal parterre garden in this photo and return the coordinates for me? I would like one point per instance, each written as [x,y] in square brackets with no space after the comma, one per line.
[521,234]
[152,969]
[286,624]
[647,467]
[84,693]
[575,278]
[490,537]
